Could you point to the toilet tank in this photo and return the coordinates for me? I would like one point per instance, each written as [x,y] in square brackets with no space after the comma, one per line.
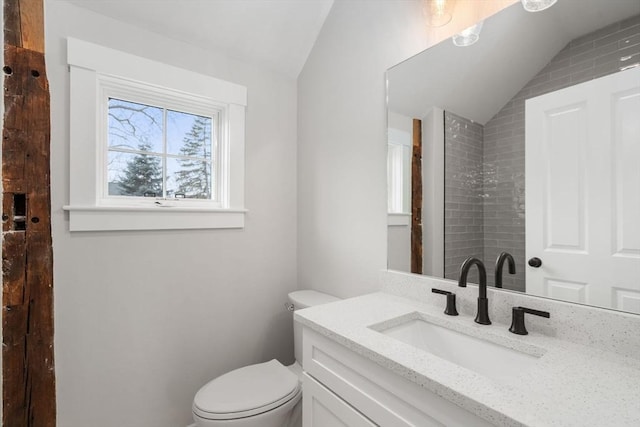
[304,299]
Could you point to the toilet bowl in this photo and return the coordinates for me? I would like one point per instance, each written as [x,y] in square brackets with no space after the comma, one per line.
[261,395]
[257,395]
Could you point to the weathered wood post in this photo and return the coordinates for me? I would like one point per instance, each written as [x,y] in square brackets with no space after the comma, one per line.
[27,263]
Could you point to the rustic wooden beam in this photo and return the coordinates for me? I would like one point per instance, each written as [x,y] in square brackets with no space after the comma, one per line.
[27,264]
[416,198]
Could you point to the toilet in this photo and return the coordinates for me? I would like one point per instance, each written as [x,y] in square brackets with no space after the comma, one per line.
[261,395]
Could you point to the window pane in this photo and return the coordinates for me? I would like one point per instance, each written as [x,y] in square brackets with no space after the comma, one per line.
[188,135]
[189,178]
[134,126]
[134,174]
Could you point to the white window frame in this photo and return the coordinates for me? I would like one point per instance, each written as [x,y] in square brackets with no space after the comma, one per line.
[399,177]
[98,73]
[140,93]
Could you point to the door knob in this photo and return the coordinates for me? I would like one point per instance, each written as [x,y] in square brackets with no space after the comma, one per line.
[535,262]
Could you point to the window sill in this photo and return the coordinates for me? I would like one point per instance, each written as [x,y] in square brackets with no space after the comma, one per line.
[399,219]
[121,218]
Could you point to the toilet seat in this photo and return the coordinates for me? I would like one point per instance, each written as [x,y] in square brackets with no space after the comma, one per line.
[246,392]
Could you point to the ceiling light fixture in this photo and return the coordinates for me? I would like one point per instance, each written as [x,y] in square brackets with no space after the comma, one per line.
[537,5]
[468,36]
[438,12]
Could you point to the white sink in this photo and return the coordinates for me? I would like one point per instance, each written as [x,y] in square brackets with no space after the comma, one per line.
[483,357]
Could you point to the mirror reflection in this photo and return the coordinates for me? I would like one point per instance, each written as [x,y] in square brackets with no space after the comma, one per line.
[525,142]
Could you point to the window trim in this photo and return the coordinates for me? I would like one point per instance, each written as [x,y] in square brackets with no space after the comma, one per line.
[93,69]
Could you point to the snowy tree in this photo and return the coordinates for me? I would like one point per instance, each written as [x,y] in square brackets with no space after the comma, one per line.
[194,177]
[142,174]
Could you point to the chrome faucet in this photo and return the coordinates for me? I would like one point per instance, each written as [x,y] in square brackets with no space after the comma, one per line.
[504,256]
[482,316]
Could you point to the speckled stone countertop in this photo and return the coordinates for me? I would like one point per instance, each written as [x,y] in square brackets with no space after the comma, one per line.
[568,385]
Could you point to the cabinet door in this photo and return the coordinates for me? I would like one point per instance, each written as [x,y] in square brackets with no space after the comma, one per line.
[322,408]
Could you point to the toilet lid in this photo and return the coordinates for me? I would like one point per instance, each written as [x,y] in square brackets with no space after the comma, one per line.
[246,391]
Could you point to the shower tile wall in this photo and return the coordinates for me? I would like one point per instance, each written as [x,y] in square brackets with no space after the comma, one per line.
[463,194]
[594,55]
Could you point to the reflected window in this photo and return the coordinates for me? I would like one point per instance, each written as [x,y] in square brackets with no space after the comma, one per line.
[399,171]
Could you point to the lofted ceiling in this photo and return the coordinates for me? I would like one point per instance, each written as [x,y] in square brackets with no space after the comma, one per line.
[477,81]
[276,34]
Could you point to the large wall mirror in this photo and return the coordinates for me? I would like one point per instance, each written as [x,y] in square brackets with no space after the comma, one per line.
[525,142]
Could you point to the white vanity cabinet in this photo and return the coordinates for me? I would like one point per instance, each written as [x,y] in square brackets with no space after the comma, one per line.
[322,408]
[345,388]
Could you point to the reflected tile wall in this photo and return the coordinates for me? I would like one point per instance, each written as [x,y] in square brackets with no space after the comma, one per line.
[463,194]
[594,55]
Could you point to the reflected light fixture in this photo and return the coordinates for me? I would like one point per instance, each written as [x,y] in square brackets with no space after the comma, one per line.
[468,36]
[537,5]
[438,12]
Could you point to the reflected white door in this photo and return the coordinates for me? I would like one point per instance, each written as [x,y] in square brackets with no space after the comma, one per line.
[583,192]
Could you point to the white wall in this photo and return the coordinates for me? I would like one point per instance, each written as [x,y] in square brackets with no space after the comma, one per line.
[399,247]
[341,136]
[399,234]
[143,319]
[342,204]
[433,192]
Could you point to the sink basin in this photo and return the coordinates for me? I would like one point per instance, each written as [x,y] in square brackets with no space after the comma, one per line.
[483,357]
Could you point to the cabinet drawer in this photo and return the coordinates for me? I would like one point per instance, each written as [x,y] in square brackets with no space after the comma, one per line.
[385,398]
[322,408]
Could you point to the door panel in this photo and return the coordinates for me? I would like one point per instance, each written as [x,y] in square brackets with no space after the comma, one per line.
[626,177]
[564,179]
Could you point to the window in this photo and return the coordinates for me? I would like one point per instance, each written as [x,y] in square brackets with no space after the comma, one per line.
[399,179]
[156,152]
[399,176]
[167,144]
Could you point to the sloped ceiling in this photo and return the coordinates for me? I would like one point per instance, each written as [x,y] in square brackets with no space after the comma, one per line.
[277,34]
[477,81]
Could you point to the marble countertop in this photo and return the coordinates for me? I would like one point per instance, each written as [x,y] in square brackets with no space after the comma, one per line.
[569,385]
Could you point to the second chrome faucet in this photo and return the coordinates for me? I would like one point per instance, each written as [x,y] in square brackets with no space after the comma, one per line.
[482,316]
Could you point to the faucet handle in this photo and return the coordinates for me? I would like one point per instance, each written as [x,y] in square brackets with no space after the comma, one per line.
[517,320]
[451,301]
